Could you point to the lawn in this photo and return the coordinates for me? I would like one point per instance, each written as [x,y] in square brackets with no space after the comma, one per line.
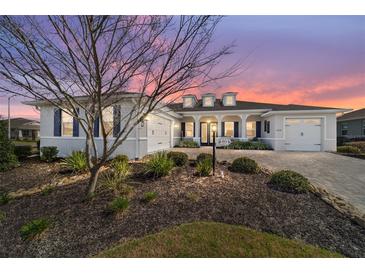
[214,240]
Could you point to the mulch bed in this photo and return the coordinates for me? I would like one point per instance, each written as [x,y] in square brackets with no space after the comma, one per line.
[83,229]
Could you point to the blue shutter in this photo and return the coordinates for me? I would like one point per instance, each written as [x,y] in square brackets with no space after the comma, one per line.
[194,129]
[182,129]
[235,129]
[258,129]
[96,127]
[57,122]
[223,129]
[116,120]
[75,125]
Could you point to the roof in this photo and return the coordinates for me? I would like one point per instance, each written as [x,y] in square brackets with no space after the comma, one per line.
[353,115]
[23,123]
[245,105]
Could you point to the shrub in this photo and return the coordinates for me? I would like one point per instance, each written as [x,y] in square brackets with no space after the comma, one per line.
[47,190]
[179,158]
[4,198]
[348,149]
[149,196]
[49,154]
[121,158]
[290,181]
[8,159]
[360,145]
[248,145]
[34,228]
[159,165]
[244,165]
[204,156]
[119,204]
[76,161]
[120,167]
[2,215]
[188,143]
[204,167]
[22,152]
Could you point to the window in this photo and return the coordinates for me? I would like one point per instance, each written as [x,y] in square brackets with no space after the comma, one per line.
[344,129]
[251,129]
[108,120]
[363,127]
[265,125]
[229,100]
[189,129]
[268,127]
[67,124]
[228,129]
[188,102]
[208,101]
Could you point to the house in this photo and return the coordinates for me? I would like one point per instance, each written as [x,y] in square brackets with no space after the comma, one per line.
[352,124]
[283,127]
[24,129]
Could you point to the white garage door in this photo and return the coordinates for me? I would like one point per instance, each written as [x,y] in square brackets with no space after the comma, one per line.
[303,134]
[158,136]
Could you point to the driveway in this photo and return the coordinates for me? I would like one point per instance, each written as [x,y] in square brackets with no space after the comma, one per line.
[342,176]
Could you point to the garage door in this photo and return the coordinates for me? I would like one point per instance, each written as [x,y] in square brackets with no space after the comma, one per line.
[303,134]
[158,136]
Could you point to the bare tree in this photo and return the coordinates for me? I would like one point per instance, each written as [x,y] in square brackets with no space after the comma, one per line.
[89,63]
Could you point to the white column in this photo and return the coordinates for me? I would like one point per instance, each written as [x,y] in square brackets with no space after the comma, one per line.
[197,128]
[219,126]
[243,126]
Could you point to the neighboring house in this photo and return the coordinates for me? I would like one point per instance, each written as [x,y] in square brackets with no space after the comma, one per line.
[283,127]
[24,129]
[352,124]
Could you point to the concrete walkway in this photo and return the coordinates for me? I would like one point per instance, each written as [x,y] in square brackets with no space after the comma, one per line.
[342,176]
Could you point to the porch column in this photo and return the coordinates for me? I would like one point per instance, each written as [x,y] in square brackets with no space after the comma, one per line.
[243,126]
[219,126]
[197,128]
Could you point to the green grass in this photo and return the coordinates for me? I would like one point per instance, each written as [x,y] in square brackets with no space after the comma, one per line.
[34,228]
[209,239]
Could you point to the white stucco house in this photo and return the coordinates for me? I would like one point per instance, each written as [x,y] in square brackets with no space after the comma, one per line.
[283,127]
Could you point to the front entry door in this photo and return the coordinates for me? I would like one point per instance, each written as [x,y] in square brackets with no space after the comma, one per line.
[206,133]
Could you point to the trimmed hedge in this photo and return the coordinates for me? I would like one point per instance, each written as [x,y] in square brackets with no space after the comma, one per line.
[244,165]
[49,154]
[179,158]
[204,156]
[360,145]
[249,145]
[348,149]
[188,143]
[290,181]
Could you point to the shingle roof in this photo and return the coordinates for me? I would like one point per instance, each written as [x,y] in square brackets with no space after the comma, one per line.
[353,115]
[22,123]
[243,105]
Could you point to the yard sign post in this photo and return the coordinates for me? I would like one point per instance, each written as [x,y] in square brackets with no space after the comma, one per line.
[214,130]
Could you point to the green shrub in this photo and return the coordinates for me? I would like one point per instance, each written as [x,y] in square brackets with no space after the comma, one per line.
[204,156]
[121,158]
[8,159]
[359,144]
[159,165]
[34,228]
[149,196]
[49,154]
[179,158]
[4,198]
[249,145]
[244,165]
[348,149]
[204,167]
[119,204]
[23,152]
[76,161]
[290,181]
[188,143]
[120,167]
[2,215]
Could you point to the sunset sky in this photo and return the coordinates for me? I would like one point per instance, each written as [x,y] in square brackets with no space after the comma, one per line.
[313,60]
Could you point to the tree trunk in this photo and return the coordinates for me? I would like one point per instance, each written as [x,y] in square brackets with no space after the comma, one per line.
[94,175]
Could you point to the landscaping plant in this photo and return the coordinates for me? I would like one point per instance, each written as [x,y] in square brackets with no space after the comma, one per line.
[290,181]
[23,152]
[244,165]
[34,228]
[348,149]
[2,215]
[115,178]
[203,156]
[179,158]
[77,161]
[119,204]
[159,165]
[8,159]
[120,167]
[4,198]
[149,196]
[249,145]
[204,167]
[188,143]
[49,154]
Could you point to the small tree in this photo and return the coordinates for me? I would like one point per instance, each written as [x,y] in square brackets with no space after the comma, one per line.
[84,64]
[7,157]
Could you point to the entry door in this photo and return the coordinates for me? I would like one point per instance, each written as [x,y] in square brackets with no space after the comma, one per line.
[303,134]
[206,133]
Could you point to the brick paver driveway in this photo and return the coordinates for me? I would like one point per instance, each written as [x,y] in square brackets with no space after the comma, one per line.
[339,175]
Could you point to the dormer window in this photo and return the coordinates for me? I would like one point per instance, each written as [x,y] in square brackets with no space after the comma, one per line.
[208,100]
[229,99]
[188,102]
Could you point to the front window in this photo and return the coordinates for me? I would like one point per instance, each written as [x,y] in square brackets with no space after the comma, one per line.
[229,129]
[251,129]
[189,129]
[108,120]
[67,124]
[344,129]
[229,101]
[188,102]
[208,101]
